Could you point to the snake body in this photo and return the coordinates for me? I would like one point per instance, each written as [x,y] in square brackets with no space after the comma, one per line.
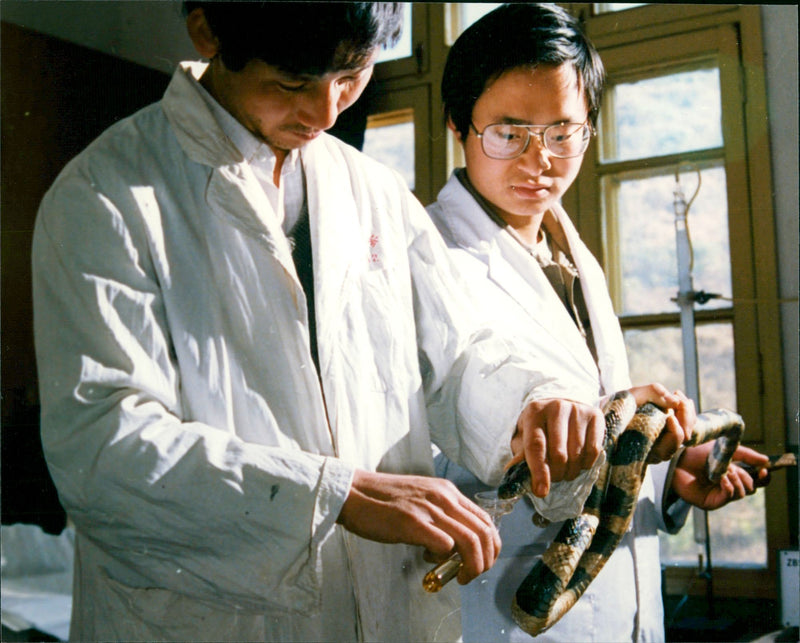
[585,543]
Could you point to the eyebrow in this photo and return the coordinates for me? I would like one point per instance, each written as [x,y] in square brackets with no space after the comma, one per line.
[352,70]
[508,120]
[307,78]
[295,77]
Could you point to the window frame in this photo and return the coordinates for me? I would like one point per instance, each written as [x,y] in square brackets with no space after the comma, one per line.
[415,99]
[419,60]
[414,82]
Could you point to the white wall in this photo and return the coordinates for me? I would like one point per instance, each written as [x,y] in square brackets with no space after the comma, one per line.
[151,33]
[779,24]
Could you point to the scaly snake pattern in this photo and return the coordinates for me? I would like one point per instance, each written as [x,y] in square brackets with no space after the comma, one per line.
[584,543]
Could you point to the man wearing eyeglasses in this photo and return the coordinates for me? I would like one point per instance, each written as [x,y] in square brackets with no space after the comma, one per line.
[521,92]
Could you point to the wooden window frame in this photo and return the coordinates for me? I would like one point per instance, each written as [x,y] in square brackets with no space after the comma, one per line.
[413,82]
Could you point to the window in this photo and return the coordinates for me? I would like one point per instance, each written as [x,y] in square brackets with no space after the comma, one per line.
[647,121]
[404,125]
[680,116]
[390,139]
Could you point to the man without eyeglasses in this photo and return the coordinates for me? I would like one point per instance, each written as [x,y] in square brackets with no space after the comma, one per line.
[239,321]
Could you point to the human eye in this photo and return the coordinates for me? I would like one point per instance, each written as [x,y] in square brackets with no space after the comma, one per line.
[291,86]
[355,76]
[507,133]
[560,133]
[349,80]
[289,82]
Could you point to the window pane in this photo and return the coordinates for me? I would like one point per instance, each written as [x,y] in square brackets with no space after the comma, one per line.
[663,115]
[738,537]
[647,256]
[462,14]
[403,47]
[738,533]
[738,530]
[716,366]
[608,7]
[389,138]
[656,355]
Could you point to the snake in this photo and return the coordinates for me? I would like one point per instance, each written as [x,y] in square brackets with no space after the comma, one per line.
[585,543]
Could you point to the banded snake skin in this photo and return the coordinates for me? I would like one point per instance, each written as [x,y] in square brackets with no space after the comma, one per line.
[584,543]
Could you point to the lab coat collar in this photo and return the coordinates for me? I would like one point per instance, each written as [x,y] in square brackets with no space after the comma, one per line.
[233,191]
[206,131]
[466,221]
[253,150]
[192,120]
[511,267]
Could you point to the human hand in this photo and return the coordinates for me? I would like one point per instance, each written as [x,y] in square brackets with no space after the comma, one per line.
[681,417]
[558,439]
[425,511]
[692,485]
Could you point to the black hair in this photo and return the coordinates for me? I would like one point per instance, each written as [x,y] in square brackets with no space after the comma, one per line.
[301,37]
[512,36]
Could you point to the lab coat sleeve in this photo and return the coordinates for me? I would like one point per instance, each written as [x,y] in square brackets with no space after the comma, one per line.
[184,505]
[476,382]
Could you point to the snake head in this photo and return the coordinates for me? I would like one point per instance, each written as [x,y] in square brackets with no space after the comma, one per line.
[516,481]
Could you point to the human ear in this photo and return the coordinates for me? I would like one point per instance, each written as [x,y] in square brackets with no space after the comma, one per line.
[204,40]
[452,127]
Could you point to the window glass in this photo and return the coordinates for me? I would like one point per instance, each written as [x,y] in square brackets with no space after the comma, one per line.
[716,366]
[664,115]
[389,138]
[609,7]
[738,529]
[403,47]
[737,536]
[656,355]
[737,533]
[462,14]
[645,228]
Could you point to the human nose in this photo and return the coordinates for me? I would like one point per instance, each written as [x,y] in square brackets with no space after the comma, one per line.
[322,107]
[536,153]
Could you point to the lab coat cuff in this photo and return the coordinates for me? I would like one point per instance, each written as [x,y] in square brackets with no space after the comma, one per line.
[499,451]
[335,480]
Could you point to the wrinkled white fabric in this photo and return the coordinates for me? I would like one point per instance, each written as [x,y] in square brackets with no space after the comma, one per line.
[199,454]
[517,299]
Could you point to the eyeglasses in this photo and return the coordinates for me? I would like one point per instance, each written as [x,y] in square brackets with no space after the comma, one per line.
[504,141]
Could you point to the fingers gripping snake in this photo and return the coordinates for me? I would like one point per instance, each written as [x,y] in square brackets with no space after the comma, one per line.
[585,543]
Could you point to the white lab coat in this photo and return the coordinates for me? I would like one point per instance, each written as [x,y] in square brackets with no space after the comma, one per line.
[517,298]
[183,420]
